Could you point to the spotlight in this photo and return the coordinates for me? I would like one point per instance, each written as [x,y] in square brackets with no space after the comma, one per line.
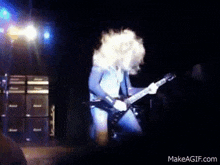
[13,32]
[4,14]
[30,32]
[46,35]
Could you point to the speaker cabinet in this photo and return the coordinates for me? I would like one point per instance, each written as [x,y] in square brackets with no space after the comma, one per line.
[14,128]
[37,80]
[37,105]
[37,129]
[15,106]
[17,80]
[27,129]
[24,108]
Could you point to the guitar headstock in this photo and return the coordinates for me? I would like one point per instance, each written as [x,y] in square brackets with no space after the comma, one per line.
[169,76]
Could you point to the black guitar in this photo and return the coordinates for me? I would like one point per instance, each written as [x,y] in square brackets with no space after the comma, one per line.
[114,114]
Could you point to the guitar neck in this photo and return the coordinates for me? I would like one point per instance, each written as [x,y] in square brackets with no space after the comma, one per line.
[143,93]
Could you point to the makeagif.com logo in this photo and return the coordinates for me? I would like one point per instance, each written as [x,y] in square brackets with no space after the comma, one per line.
[192,159]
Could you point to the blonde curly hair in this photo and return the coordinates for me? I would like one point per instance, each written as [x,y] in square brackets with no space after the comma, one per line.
[121,49]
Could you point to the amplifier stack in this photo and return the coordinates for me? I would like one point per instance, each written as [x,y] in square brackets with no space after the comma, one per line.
[25,108]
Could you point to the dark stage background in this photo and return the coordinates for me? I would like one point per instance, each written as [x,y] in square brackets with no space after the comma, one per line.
[177,36]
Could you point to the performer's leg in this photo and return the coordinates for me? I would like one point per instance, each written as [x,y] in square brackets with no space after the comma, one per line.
[129,123]
[100,127]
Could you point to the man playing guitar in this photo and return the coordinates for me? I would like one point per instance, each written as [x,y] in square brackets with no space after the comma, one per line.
[120,54]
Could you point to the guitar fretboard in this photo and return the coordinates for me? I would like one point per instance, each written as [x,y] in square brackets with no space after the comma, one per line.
[144,92]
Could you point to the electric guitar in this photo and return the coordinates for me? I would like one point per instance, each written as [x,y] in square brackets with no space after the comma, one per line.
[114,114]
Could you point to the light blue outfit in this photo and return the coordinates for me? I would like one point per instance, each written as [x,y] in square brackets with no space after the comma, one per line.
[102,83]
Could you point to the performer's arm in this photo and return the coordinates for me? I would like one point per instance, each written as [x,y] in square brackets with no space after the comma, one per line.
[94,85]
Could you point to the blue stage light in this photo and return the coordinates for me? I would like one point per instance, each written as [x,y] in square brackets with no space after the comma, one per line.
[4,14]
[46,35]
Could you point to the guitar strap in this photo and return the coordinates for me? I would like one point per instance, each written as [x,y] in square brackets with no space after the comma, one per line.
[126,82]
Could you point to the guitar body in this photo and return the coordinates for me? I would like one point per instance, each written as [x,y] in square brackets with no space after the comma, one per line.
[114,115]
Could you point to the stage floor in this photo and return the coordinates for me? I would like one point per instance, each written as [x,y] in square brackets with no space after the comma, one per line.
[59,154]
[48,154]
[44,155]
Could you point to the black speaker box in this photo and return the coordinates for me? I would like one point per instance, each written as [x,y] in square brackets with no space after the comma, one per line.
[37,129]
[16,106]
[37,105]
[27,129]
[14,128]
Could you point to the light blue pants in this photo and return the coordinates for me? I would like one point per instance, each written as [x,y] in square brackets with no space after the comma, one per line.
[99,129]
